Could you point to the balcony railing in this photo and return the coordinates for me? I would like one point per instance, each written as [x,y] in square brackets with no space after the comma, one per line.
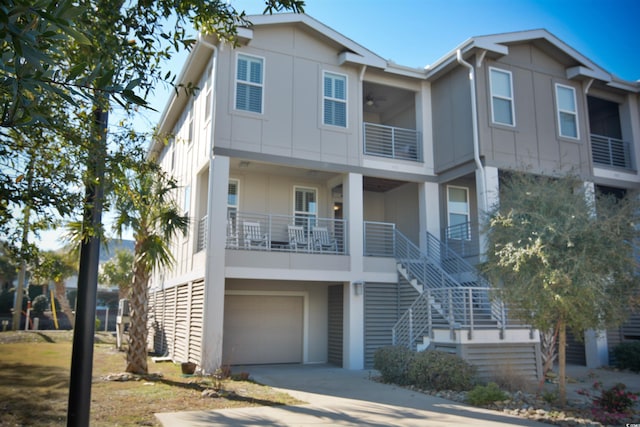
[270,232]
[392,142]
[611,152]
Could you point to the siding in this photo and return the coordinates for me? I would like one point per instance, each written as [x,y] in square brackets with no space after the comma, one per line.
[175,322]
[380,314]
[504,360]
[335,315]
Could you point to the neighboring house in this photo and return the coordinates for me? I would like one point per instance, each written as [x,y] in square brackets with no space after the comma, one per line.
[334,195]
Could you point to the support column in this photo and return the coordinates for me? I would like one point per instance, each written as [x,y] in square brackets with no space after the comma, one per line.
[595,342]
[488,197]
[214,286]
[353,341]
[429,211]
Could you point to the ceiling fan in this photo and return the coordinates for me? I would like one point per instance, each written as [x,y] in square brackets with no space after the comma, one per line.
[372,101]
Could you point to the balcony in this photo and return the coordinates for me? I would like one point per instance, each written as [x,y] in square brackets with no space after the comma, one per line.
[274,233]
[611,152]
[392,142]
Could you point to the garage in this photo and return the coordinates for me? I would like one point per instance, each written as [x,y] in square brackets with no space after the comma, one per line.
[263,329]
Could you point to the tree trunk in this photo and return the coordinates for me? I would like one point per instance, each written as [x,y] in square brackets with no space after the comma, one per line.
[548,351]
[137,351]
[562,362]
[61,295]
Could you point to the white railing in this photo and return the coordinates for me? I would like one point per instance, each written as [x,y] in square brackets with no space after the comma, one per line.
[392,142]
[611,152]
[270,232]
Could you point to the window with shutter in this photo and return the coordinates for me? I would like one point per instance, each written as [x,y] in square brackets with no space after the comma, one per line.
[249,83]
[232,199]
[305,207]
[335,100]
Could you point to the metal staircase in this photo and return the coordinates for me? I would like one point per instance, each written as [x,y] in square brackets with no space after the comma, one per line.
[453,294]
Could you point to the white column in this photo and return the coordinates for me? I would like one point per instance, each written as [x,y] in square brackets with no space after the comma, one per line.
[429,211]
[353,320]
[213,315]
[488,197]
[595,342]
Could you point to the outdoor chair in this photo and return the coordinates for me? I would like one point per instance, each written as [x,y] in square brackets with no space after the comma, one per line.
[232,234]
[298,238]
[253,237]
[322,240]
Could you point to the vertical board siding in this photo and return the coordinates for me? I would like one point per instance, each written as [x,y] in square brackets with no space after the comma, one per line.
[335,318]
[380,314]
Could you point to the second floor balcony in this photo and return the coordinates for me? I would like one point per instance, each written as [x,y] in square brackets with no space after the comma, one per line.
[392,142]
[611,152]
[281,233]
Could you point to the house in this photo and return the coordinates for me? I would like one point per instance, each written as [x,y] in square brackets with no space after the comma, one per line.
[334,194]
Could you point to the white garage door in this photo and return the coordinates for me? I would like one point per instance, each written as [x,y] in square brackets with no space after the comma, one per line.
[262,329]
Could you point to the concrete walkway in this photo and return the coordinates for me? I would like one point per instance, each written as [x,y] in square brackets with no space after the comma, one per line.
[340,397]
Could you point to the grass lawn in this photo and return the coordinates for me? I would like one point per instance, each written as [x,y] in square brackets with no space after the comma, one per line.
[34,385]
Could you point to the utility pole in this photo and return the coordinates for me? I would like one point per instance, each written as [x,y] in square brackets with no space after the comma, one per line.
[83,333]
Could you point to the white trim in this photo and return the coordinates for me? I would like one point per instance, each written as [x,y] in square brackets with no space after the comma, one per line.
[305,311]
[237,206]
[249,83]
[345,100]
[574,113]
[511,100]
[302,187]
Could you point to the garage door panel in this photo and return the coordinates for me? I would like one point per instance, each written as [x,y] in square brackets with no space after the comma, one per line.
[262,329]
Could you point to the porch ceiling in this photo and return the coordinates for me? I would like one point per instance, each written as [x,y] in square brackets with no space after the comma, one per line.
[380,185]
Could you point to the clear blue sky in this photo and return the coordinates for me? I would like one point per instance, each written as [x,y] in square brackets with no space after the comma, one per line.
[416,33]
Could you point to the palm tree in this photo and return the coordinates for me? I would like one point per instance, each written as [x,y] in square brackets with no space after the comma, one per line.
[144,202]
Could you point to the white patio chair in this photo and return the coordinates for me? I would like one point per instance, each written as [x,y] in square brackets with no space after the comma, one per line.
[232,234]
[322,240]
[298,238]
[253,237]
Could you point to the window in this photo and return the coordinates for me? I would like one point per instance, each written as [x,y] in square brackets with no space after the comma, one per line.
[190,124]
[187,200]
[232,199]
[335,100]
[501,97]
[567,111]
[458,209]
[305,207]
[249,84]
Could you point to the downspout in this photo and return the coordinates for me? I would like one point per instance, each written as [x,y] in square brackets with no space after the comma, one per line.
[474,118]
[208,239]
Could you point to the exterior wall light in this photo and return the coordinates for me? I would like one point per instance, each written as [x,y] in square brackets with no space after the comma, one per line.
[358,287]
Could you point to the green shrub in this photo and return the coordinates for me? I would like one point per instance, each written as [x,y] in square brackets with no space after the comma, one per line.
[393,363]
[484,395]
[39,305]
[437,370]
[627,355]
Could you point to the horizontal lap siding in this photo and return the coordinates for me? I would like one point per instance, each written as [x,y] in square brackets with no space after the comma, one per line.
[503,360]
[195,322]
[380,314]
[181,344]
[175,322]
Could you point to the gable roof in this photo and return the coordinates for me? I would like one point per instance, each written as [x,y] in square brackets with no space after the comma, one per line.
[497,45]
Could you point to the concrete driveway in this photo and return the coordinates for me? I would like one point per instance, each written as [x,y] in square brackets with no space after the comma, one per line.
[340,397]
